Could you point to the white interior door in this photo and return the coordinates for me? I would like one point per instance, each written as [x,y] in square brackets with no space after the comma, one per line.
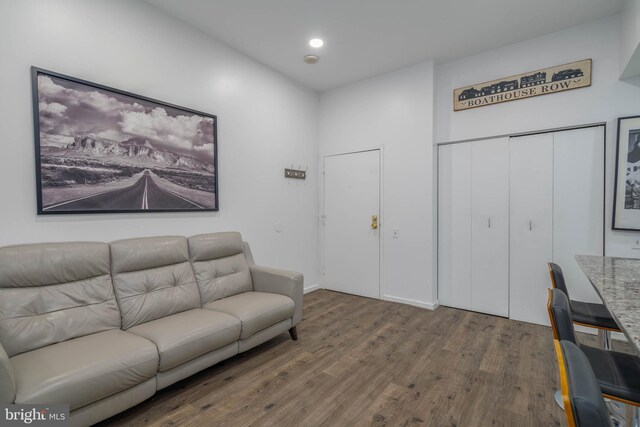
[351,243]
[531,228]
[490,226]
[578,204]
[454,225]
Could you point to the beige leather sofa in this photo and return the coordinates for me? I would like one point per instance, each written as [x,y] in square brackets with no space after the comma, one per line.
[101,326]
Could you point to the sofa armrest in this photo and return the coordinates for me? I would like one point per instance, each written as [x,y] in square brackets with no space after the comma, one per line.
[7,378]
[288,283]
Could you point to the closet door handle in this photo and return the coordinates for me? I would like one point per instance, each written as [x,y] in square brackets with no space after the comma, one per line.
[530,225]
[489,224]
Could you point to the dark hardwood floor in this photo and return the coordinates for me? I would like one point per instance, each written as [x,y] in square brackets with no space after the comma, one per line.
[360,361]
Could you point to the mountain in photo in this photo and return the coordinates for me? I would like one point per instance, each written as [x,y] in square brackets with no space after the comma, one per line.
[134,151]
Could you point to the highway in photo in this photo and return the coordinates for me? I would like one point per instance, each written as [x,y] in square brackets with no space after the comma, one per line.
[144,194]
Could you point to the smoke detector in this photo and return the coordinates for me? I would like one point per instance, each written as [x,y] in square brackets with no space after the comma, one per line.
[311,59]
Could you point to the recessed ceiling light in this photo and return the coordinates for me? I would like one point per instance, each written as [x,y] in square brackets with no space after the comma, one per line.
[316,42]
[311,59]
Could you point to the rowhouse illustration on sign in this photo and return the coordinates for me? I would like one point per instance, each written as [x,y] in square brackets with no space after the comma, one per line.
[525,85]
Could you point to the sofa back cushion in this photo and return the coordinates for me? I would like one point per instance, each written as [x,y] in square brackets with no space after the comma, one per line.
[220,265]
[53,292]
[152,278]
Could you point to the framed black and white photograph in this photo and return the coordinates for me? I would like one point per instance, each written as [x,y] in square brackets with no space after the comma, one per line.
[103,150]
[626,204]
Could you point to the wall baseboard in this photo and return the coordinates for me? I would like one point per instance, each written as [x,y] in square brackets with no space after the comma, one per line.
[413,302]
[311,288]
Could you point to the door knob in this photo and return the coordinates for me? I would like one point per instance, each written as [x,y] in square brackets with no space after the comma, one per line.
[374,222]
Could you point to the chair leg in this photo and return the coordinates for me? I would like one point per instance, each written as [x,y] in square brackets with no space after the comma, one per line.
[604,339]
[294,333]
[558,398]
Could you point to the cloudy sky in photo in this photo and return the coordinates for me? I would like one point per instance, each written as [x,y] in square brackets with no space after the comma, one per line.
[69,109]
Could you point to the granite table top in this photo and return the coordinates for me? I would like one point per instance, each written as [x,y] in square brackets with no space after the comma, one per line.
[617,281]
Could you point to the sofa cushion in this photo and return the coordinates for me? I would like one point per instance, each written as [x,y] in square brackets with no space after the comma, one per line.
[84,370]
[256,310]
[184,336]
[53,292]
[220,266]
[152,278]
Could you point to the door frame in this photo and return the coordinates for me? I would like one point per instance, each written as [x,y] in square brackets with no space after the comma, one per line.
[381,218]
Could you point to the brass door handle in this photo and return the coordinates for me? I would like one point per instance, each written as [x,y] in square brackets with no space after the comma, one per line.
[374,222]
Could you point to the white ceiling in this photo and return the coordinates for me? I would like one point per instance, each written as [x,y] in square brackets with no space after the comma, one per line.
[364,38]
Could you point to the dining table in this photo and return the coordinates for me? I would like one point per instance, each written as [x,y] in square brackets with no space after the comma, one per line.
[617,282]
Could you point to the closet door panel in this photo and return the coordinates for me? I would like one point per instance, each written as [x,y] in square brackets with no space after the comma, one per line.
[578,204]
[454,225]
[531,228]
[490,226]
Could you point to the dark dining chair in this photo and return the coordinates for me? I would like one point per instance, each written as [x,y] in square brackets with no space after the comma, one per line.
[589,314]
[618,374]
[583,401]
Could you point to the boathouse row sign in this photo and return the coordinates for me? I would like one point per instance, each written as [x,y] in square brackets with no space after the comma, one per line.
[539,82]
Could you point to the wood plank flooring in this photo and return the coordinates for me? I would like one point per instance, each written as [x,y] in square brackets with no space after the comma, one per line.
[360,361]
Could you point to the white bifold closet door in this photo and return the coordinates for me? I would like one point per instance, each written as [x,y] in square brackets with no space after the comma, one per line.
[490,226]
[454,225]
[473,226]
[507,207]
[557,212]
[531,235]
[578,204]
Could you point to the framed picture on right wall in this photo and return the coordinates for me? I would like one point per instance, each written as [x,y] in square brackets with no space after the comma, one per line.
[626,199]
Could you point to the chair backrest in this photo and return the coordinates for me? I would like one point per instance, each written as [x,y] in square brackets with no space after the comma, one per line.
[583,402]
[220,265]
[152,278]
[557,279]
[560,316]
[53,292]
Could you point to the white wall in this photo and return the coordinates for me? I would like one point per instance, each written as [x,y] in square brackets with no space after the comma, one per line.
[630,39]
[266,122]
[605,101]
[394,110]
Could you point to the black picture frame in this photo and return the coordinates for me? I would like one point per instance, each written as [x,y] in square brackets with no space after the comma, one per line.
[171,197]
[617,222]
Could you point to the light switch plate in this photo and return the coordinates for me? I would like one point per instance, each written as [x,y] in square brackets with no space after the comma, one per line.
[636,245]
[396,233]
